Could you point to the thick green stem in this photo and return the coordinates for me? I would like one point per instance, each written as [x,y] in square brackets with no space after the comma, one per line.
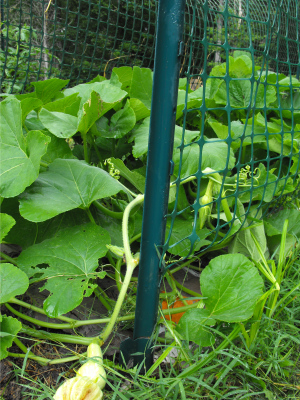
[65,360]
[217,178]
[118,274]
[89,214]
[39,310]
[21,346]
[57,337]
[191,193]
[40,360]
[106,211]
[110,259]
[43,164]
[107,331]
[7,258]
[226,208]
[102,298]
[73,325]
[136,237]
[131,264]
[46,361]
[126,244]
[44,324]
[186,290]
[185,264]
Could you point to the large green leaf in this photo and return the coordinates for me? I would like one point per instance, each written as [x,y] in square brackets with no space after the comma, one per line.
[141,85]
[232,285]
[68,105]
[121,123]
[26,233]
[125,76]
[19,155]
[67,184]
[57,148]
[28,105]
[97,105]
[274,222]
[243,242]
[182,233]
[140,110]
[242,94]
[194,100]
[46,90]
[58,123]
[6,223]
[289,102]
[9,327]
[216,155]
[193,326]
[239,131]
[141,138]
[72,256]
[136,179]
[108,93]
[13,282]
[91,110]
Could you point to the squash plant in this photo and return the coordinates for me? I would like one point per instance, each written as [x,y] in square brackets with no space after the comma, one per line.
[72,182]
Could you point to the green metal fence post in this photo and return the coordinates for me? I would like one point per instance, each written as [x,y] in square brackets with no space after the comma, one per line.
[161,137]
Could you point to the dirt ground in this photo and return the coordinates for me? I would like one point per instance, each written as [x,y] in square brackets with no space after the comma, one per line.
[12,384]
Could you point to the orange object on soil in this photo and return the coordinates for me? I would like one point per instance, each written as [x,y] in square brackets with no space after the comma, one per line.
[178,303]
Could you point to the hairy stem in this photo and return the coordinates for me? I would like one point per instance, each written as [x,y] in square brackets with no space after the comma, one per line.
[131,264]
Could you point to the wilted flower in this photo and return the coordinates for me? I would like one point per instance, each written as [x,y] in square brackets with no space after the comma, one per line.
[79,388]
[89,381]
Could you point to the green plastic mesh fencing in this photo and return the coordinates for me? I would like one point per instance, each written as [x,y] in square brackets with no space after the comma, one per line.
[73,39]
[238,88]
[247,108]
[77,40]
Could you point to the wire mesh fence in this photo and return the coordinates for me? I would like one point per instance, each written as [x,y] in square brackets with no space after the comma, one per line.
[244,159]
[78,40]
[239,93]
